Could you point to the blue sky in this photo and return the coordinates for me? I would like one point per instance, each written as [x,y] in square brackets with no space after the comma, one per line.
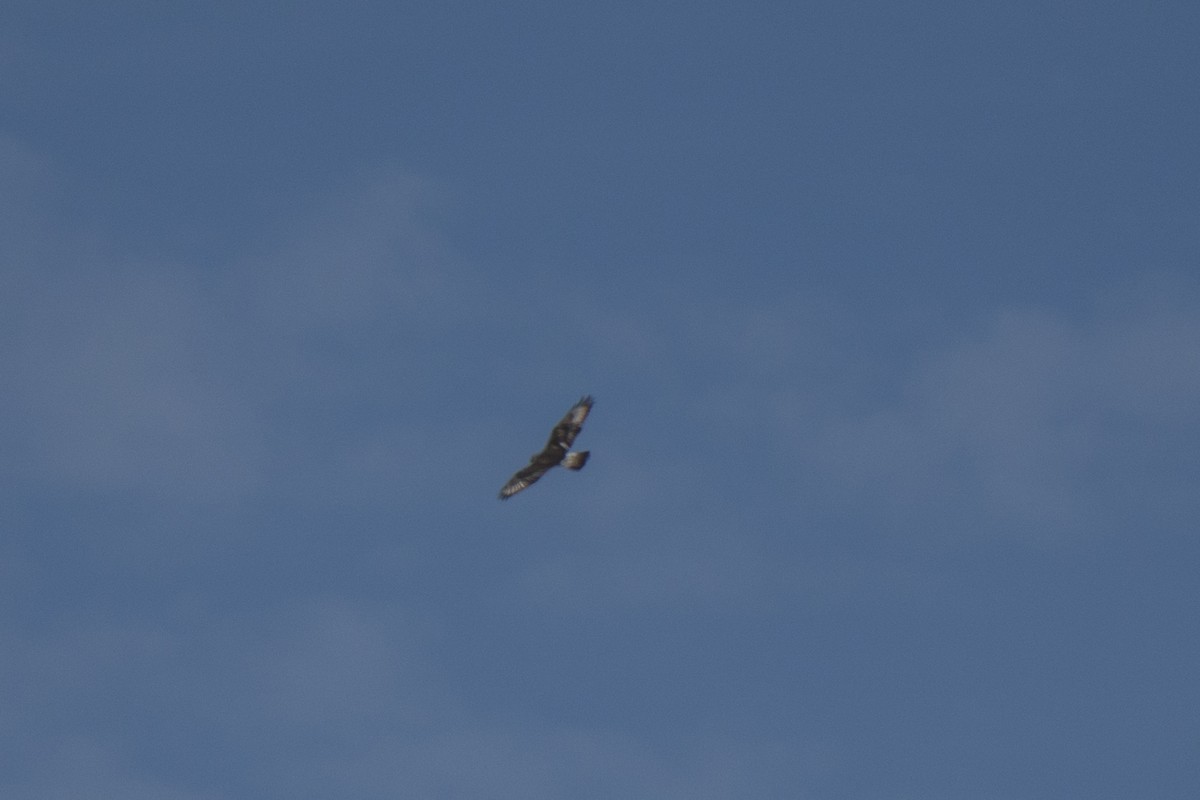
[892,317]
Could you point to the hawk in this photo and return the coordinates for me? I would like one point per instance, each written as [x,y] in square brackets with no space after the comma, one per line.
[556,451]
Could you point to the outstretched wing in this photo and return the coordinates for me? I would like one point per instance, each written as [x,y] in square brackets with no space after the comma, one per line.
[554,452]
[564,432]
[526,477]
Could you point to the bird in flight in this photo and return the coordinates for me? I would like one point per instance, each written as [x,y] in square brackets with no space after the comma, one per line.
[557,451]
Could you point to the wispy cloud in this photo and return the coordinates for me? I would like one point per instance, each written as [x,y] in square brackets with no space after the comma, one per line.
[117,384]
[330,696]
[1025,423]
[193,380]
[88,768]
[1032,424]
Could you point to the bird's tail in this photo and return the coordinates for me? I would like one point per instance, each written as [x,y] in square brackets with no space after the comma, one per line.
[576,460]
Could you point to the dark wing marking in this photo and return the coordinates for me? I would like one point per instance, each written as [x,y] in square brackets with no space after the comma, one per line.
[554,452]
[564,432]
